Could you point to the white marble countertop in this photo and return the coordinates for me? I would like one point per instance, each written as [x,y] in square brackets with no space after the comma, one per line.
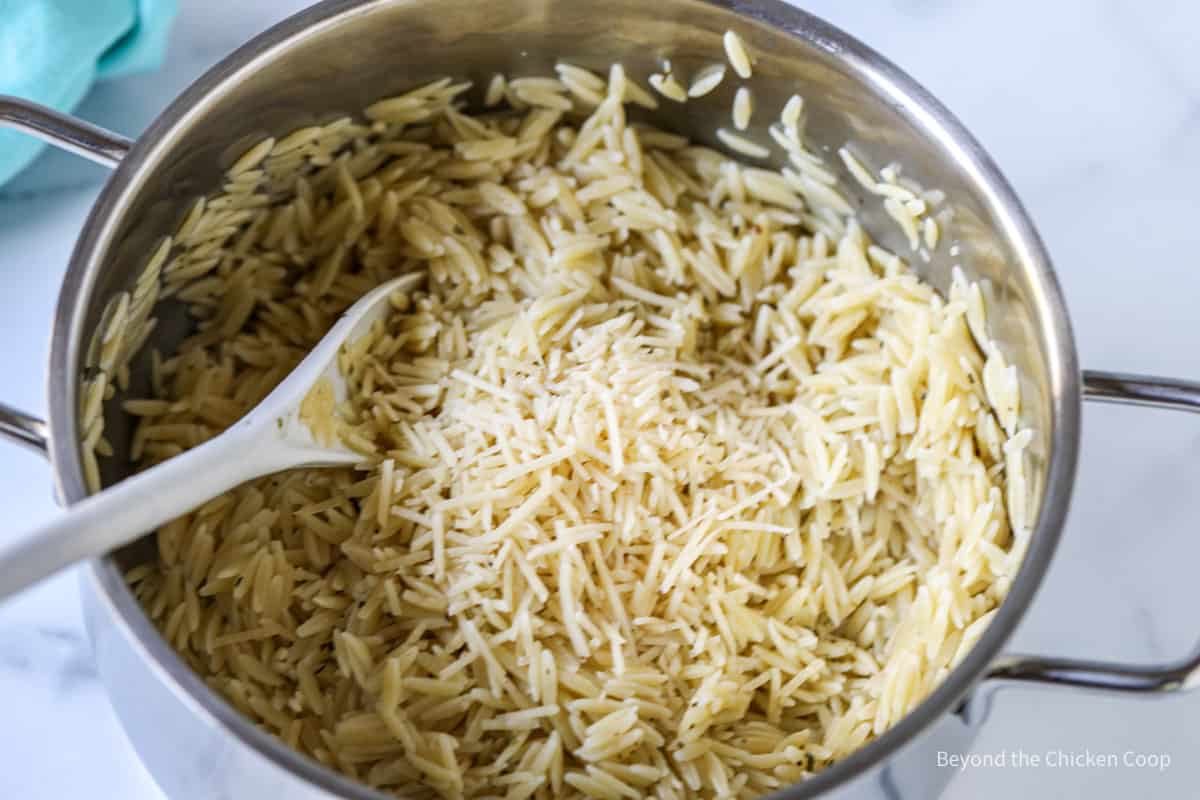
[1093,111]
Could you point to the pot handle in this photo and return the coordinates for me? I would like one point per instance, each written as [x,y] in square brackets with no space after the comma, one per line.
[24,429]
[75,136]
[63,131]
[1143,679]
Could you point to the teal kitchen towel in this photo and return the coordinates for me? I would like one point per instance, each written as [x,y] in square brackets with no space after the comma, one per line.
[51,51]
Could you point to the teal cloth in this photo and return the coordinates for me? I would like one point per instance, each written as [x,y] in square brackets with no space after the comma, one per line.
[52,51]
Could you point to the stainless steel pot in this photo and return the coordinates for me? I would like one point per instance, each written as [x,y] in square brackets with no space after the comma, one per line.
[341,54]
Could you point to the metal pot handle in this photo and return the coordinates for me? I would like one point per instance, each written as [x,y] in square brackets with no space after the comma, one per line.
[24,429]
[1113,387]
[63,131]
[75,136]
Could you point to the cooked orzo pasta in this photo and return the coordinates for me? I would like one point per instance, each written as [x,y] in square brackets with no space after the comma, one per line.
[674,484]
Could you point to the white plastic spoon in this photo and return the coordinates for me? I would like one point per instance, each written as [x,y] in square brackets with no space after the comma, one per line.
[269,439]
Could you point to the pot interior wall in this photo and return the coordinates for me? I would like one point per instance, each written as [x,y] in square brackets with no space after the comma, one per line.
[380,48]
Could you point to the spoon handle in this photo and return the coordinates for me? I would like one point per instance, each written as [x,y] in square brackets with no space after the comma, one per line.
[270,438]
[128,510]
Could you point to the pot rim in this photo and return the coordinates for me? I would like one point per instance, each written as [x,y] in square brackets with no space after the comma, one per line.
[914,101]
